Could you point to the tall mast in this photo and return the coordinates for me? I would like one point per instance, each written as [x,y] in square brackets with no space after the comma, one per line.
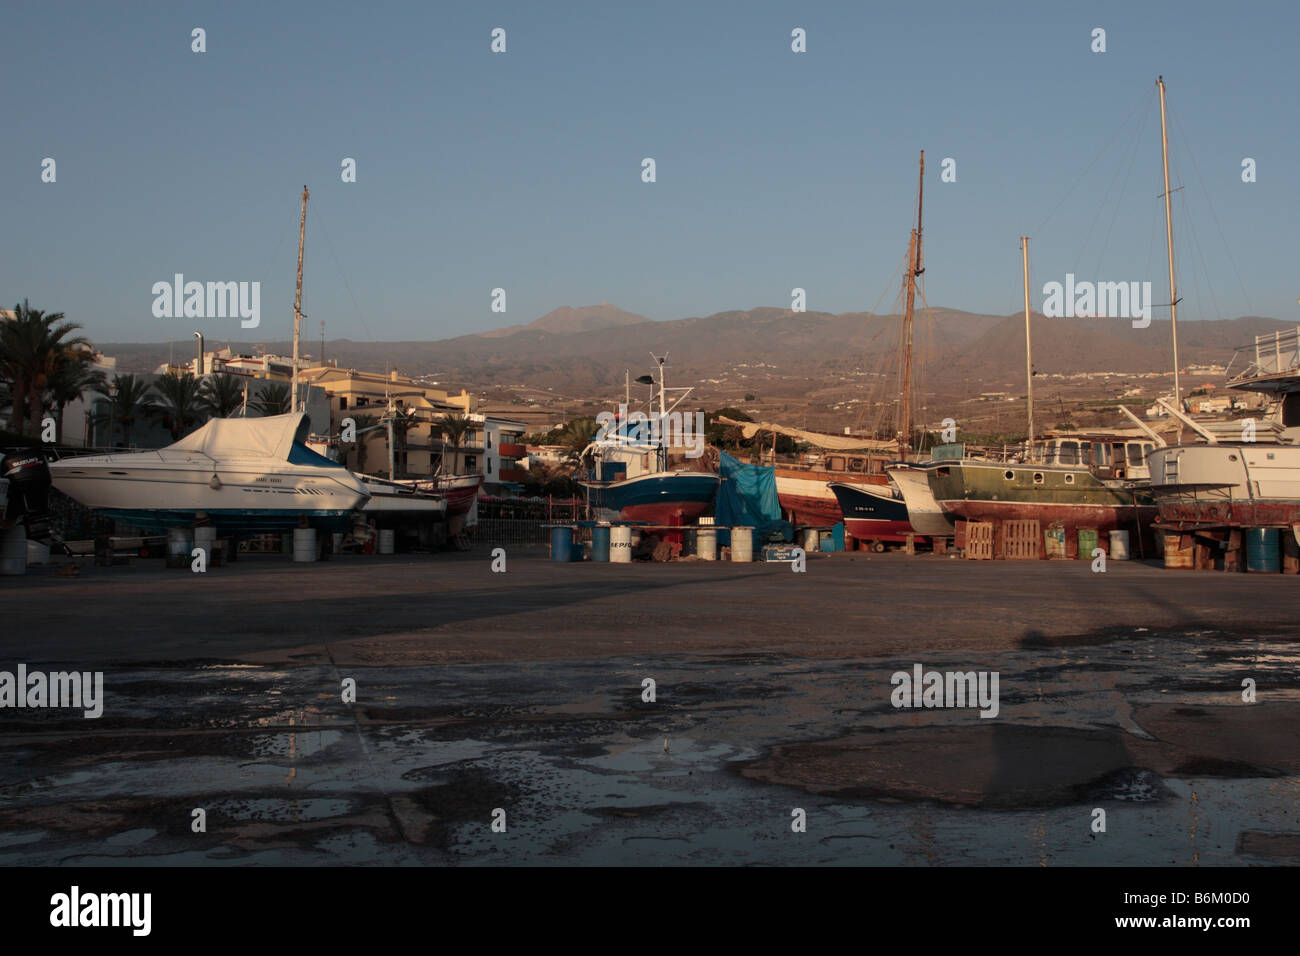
[914,269]
[1029,357]
[297,300]
[1169,241]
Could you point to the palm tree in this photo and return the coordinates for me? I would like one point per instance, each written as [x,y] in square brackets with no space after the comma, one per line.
[361,423]
[224,393]
[179,404]
[403,421]
[127,398]
[272,399]
[32,346]
[73,376]
[576,436]
[455,427]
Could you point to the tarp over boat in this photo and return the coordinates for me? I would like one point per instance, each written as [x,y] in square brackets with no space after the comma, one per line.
[747,498]
[270,437]
[816,439]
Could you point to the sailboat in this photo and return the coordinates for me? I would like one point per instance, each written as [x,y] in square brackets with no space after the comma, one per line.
[878,512]
[1099,481]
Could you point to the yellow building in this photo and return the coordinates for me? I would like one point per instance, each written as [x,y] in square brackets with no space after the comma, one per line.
[419,448]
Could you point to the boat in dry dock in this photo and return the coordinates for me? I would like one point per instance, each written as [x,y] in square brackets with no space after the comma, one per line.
[1075,480]
[242,474]
[1243,474]
[633,477]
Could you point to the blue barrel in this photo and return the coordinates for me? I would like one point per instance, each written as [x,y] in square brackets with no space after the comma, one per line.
[1262,551]
[837,537]
[600,543]
[562,544]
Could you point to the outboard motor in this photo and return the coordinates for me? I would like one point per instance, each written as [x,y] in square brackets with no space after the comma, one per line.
[29,491]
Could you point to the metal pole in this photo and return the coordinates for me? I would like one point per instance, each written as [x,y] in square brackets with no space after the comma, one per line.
[297,301]
[1029,359]
[1169,241]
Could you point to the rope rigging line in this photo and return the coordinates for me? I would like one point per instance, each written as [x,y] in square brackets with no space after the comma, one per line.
[1213,214]
[1080,178]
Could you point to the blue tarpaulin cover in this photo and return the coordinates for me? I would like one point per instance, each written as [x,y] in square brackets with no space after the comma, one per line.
[747,498]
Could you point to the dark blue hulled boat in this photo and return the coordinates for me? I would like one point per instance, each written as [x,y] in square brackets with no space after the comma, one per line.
[872,512]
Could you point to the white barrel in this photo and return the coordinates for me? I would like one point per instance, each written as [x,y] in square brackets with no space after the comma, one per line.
[1119,545]
[304,545]
[13,550]
[812,540]
[180,542]
[706,544]
[387,540]
[205,537]
[742,544]
[620,544]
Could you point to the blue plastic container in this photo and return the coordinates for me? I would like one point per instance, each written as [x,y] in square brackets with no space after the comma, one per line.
[562,545]
[837,537]
[600,543]
[1262,551]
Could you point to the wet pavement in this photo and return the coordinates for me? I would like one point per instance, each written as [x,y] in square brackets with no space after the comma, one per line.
[520,698]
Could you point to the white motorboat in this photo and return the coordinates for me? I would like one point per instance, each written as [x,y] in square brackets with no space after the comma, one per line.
[241,474]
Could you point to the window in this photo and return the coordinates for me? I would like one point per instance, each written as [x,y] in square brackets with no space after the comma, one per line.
[489,464]
[1135,456]
[1038,477]
[1101,455]
[343,402]
[1068,452]
[1009,474]
[1069,479]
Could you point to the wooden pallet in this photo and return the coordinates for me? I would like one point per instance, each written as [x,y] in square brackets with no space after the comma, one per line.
[1022,540]
[979,540]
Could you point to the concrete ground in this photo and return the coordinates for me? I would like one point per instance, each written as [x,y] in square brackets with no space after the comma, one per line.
[519,697]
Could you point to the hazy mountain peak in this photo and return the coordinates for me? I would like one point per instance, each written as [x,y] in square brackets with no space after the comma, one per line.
[566,320]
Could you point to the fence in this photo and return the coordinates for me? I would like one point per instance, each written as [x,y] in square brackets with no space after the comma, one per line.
[523,521]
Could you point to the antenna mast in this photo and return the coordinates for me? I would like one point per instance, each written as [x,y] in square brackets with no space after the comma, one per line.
[1169,241]
[297,300]
[914,269]
[1029,357]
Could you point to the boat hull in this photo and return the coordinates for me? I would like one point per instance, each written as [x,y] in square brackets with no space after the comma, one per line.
[669,498]
[249,498]
[923,512]
[806,499]
[458,491]
[871,513]
[1070,497]
[1235,486]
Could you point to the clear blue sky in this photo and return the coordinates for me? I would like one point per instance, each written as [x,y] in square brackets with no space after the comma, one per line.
[522,170]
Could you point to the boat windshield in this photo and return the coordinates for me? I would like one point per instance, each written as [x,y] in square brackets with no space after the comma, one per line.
[300,454]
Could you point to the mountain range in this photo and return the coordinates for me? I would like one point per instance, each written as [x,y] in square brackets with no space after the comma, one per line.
[583,352]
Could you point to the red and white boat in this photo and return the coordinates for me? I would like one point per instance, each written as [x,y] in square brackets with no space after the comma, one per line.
[458,491]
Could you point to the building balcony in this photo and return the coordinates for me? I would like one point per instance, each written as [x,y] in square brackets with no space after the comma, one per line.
[512,450]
